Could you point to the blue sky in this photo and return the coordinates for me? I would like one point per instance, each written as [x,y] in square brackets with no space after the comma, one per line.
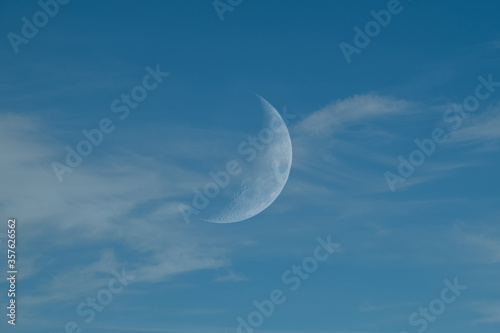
[348,122]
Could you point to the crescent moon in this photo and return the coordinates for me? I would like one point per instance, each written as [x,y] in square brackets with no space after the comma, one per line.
[268,174]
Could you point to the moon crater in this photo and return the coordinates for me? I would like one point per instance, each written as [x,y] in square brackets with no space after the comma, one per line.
[264,176]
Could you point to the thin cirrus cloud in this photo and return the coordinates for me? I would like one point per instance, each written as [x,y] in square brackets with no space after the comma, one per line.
[96,202]
[356,109]
[351,142]
[107,198]
[489,310]
[346,141]
[479,129]
[231,277]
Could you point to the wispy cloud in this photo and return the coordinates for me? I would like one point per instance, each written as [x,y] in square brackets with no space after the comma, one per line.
[489,310]
[125,199]
[368,307]
[481,243]
[356,109]
[231,277]
[480,129]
